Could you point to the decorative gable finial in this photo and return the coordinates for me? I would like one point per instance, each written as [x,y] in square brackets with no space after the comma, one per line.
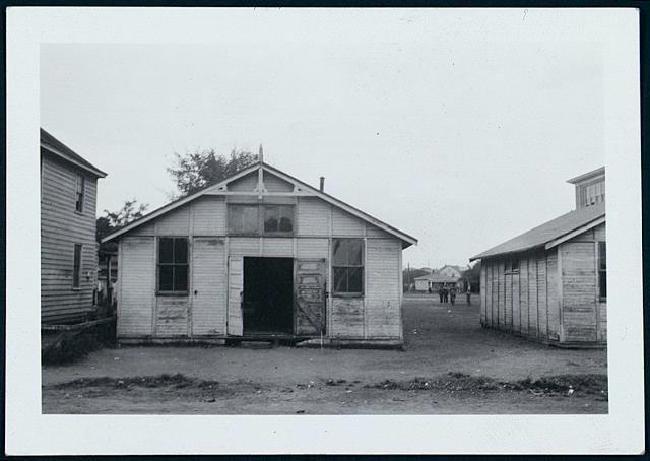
[261,155]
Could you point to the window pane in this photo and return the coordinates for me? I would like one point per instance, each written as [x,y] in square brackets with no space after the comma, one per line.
[515,264]
[271,219]
[166,278]
[180,277]
[165,250]
[180,250]
[355,279]
[340,279]
[286,225]
[339,257]
[355,252]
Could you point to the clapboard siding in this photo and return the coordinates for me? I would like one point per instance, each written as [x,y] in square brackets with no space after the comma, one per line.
[313,248]
[137,272]
[61,228]
[246,184]
[524,296]
[175,223]
[277,247]
[172,316]
[382,290]
[274,184]
[313,217]
[533,298]
[209,216]
[346,225]
[208,287]
[483,294]
[346,318]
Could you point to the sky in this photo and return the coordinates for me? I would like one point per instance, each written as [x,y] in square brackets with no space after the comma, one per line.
[459,129]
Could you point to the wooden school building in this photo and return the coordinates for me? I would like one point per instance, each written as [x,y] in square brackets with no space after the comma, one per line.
[68,248]
[550,283]
[260,255]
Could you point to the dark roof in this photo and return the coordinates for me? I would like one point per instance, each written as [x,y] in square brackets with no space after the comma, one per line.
[547,232]
[57,147]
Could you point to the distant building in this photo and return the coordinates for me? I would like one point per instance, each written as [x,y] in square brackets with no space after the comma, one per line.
[447,276]
[550,282]
[68,248]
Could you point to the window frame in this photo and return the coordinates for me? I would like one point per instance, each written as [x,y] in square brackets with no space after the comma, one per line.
[77,253]
[173,264]
[79,196]
[279,206]
[601,269]
[362,266]
[260,230]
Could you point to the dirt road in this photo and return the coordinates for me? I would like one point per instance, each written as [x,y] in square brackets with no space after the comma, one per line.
[439,341]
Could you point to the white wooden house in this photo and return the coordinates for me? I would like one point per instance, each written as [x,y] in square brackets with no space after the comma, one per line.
[550,282]
[68,248]
[260,254]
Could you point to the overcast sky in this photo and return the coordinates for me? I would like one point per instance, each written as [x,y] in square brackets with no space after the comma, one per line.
[459,131]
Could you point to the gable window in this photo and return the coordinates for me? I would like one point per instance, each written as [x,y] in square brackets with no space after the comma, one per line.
[602,271]
[76,266]
[347,267]
[261,220]
[243,219]
[172,265]
[278,219]
[79,193]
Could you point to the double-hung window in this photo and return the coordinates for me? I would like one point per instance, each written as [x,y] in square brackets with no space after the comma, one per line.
[348,267]
[173,265]
[602,271]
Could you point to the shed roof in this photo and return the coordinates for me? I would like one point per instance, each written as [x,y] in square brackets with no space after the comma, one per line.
[217,189]
[551,233]
[56,147]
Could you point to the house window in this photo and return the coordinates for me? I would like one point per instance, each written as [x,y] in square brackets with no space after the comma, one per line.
[172,265]
[278,219]
[79,194]
[261,220]
[243,219]
[602,271]
[76,266]
[347,267]
[514,265]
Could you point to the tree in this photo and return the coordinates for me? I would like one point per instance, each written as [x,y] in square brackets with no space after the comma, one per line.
[473,276]
[113,220]
[199,169]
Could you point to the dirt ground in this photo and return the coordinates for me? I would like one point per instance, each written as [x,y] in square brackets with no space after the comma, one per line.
[449,365]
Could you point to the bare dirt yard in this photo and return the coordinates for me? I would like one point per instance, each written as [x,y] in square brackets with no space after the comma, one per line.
[449,366]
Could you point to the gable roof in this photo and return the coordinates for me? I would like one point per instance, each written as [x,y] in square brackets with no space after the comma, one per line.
[215,189]
[56,147]
[551,233]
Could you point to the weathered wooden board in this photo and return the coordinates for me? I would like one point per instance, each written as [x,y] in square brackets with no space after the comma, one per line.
[208,288]
[137,285]
[382,289]
[579,280]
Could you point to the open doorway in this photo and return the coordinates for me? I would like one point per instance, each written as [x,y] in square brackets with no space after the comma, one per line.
[268,295]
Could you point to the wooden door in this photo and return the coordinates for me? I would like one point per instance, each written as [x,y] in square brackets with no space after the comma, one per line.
[235,295]
[310,296]
[208,286]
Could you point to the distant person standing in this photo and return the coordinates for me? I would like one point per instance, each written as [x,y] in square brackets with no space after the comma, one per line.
[445,295]
[468,294]
[452,295]
[441,293]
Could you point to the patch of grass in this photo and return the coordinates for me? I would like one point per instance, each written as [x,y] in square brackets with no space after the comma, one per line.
[177,381]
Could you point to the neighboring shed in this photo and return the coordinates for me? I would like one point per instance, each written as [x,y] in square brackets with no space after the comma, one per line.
[550,282]
[68,248]
[260,255]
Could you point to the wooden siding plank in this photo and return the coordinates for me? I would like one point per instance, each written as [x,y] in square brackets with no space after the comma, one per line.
[208,287]
[382,288]
[137,268]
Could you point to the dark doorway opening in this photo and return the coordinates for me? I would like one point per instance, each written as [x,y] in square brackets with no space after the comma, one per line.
[268,295]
